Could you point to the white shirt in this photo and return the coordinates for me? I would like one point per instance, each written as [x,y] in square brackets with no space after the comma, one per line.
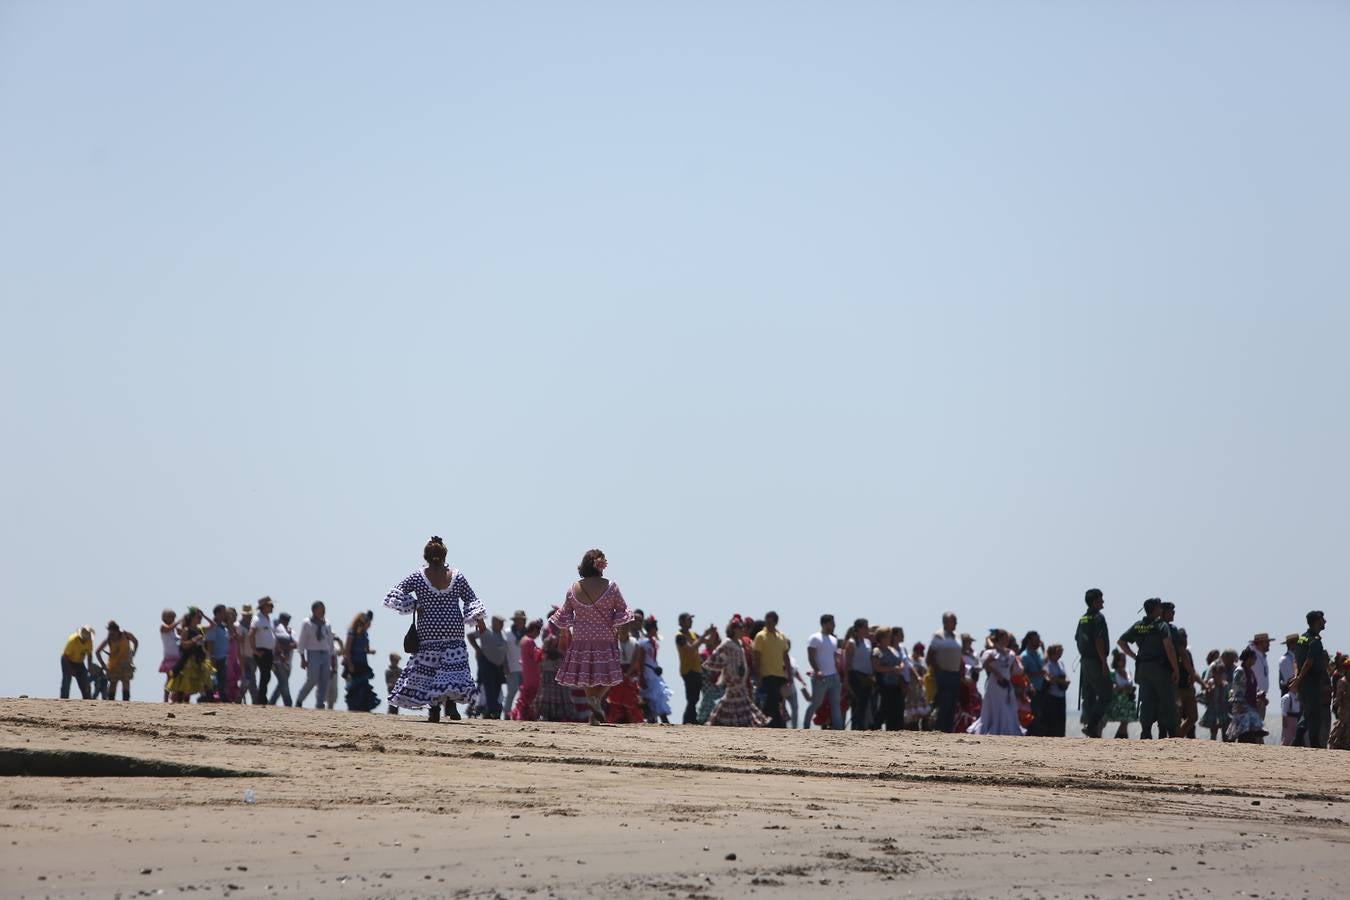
[285,641]
[825,646]
[264,638]
[1289,702]
[315,637]
[513,651]
[1261,669]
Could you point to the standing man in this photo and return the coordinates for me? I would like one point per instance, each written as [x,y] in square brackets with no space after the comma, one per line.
[264,648]
[1094,667]
[316,650]
[76,658]
[822,653]
[1156,670]
[1261,645]
[248,651]
[1309,682]
[491,647]
[1188,713]
[1290,710]
[691,666]
[281,658]
[771,661]
[513,667]
[944,661]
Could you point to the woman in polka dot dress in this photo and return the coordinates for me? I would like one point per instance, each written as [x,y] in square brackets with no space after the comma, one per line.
[439,670]
[592,610]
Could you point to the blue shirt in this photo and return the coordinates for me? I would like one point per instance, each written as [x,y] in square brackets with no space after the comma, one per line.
[219,638]
[1034,667]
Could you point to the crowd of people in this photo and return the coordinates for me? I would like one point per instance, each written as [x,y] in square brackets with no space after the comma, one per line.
[595,659]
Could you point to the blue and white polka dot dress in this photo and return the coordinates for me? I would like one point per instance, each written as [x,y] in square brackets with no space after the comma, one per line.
[440,667]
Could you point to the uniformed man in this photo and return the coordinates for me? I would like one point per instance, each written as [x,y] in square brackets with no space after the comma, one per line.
[1187,712]
[1094,684]
[1311,660]
[1156,671]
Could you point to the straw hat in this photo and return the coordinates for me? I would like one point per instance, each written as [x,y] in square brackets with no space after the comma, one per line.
[1261,637]
[1291,638]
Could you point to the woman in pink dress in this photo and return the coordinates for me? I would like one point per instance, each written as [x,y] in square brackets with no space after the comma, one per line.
[526,709]
[593,608]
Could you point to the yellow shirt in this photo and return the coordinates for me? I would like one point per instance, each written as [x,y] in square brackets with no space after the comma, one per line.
[771,648]
[78,648]
[690,661]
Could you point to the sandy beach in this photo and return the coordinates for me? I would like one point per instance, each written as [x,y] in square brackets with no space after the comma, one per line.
[383,806]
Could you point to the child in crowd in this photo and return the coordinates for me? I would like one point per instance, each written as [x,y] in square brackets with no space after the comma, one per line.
[390,676]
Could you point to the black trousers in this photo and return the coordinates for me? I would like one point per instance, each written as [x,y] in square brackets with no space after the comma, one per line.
[773,699]
[693,686]
[1052,716]
[892,706]
[1096,700]
[494,678]
[79,673]
[263,658]
[860,699]
[1313,726]
[948,687]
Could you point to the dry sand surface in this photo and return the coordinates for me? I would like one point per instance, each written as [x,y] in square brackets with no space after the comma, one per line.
[383,806]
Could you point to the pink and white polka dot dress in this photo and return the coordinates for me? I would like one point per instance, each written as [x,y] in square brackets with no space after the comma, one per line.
[592,659]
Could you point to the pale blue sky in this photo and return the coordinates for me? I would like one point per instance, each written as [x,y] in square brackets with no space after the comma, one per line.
[876,308]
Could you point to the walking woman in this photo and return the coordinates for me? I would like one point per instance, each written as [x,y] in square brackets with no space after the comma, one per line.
[858,665]
[526,708]
[623,703]
[888,662]
[1124,707]
[591,610]
[194,674]
[121,647]
[1247,724]
[355,650]
[998,710]
[728,661]
[168,636]
[443,601]
[655,692]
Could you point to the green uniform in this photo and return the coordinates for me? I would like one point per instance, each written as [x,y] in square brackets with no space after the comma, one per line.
[1312,726]
[1153,675]
[1094,686]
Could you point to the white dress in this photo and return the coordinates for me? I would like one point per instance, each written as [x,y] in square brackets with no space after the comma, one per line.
[654,689]
[998,715]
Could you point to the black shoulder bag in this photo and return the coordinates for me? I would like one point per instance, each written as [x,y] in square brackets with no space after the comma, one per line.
[411,642]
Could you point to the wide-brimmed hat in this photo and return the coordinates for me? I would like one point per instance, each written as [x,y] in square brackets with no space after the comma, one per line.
[1291,638]
[246,609]
[1260,637]
[519,614]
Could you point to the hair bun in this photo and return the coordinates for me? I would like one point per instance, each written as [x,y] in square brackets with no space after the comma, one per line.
[435,539]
